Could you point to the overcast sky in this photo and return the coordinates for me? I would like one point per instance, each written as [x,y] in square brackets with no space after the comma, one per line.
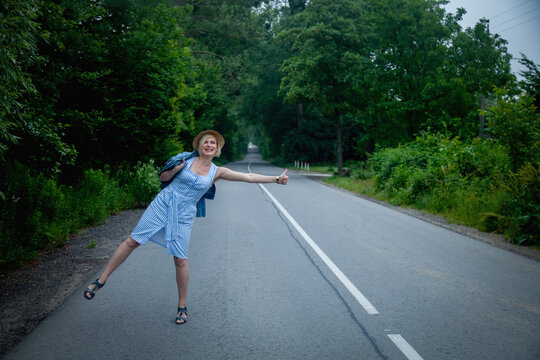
[516,21]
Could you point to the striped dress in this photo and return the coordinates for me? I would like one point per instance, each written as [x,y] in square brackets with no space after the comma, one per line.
[169,218]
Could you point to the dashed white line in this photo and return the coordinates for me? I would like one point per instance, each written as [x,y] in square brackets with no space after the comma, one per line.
[339,274]
[404,346]
[397,339]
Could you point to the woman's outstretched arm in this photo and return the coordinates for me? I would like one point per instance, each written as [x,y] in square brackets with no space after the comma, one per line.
[228,174]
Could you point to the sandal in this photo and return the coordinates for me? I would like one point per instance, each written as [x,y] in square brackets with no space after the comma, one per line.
[92,292]
[180,317]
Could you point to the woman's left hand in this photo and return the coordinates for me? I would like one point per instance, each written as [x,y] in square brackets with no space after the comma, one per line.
[283,178]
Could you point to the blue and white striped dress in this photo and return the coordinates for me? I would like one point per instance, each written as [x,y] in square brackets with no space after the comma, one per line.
[169,218]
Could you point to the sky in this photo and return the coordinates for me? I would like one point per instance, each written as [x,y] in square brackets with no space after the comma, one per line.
[516,21]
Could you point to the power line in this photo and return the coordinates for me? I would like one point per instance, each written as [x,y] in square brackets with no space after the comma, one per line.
[512,8]
[524,22]
[516,17]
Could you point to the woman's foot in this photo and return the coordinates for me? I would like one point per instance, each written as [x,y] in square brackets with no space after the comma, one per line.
[91,290]
[181,316]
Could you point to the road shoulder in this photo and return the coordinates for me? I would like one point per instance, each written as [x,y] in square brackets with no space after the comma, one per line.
[34,291]
[496,240]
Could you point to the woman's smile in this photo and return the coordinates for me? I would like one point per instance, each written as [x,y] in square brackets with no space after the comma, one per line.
[210,146]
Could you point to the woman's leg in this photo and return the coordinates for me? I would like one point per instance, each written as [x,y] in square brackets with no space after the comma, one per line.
[120,254]
[182,280]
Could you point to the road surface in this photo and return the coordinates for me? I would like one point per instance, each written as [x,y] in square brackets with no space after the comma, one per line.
[306,271]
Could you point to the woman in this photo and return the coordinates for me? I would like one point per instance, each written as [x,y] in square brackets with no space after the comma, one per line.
[168,219]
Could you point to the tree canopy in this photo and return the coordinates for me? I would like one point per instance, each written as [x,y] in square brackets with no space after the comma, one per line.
[86,84]
[106,85]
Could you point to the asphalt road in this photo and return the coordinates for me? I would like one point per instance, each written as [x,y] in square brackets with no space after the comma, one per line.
[309,272]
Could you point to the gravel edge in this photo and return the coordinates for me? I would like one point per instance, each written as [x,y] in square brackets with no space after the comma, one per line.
[31,293]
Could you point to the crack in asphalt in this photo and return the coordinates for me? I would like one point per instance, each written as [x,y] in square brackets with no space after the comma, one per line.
[321,273]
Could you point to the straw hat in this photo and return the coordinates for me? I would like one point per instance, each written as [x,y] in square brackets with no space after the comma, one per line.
[220,140]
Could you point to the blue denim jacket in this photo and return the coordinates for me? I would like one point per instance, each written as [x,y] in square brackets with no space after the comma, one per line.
[177,160]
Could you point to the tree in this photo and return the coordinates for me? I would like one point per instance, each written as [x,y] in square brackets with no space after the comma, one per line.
[430,74]
[115,83]
[515,123]
[224,36]
[330,61]
[263,111]
[18,36]
[410,52]
[531,79]
[477,61]
[153,84]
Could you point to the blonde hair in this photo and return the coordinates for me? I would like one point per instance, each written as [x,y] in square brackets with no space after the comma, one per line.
[203,139]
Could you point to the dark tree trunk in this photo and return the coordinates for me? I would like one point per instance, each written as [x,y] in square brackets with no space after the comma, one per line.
[337,119]
[297,6]
[299,114]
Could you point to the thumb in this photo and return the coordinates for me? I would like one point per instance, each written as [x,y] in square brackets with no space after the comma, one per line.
[284,173]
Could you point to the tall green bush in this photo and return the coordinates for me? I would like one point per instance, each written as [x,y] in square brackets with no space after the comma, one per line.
[37,213]
[523,211]
[515,123]
[433,160]
[142,183]
[466,181]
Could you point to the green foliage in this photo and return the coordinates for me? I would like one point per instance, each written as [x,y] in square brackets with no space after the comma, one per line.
[154,80]
[116,83]
[224,38]
[143,183]
[479,58]
[522,215]
[409,54]
[531,82]
[360,186]
[38,213]
[436,161]
[382,70]
[515,123]
[468,182]
[263,111]
[330,61]
[112,80]
[110,84]
[18,32]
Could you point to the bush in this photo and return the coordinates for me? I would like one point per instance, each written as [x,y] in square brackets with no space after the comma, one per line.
[360,171]
[36,213]
[143,183]
[432,161]
[467,182]
[515,123]
[523,211]
[17,220]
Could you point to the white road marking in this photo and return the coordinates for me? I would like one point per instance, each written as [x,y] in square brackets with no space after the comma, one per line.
[397,339]
[404,346]
[339,274]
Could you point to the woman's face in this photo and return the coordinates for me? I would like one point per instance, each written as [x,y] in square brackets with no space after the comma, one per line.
[209,146]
